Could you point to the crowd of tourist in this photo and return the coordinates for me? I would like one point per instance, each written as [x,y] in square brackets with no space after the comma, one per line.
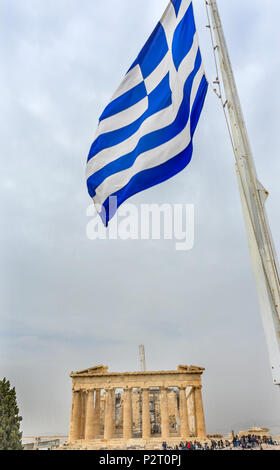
[237,443]
[251,441]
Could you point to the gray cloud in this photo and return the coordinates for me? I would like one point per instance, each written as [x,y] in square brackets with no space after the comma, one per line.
[68,303]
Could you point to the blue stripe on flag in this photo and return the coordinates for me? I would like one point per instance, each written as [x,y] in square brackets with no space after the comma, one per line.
[183,37]
[159,99]
[125,101]
[153,176]
[151,140]
[176,4]
[153,52]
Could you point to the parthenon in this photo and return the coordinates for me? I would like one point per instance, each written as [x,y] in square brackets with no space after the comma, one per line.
[121,409]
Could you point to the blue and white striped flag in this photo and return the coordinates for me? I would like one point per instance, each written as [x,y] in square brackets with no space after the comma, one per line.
[145,133]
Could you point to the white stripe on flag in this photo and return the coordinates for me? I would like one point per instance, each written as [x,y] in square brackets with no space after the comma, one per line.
[154,122]
[152,81]
[170,22]
[151,158]
[124,118]
[183,9]
[132,79]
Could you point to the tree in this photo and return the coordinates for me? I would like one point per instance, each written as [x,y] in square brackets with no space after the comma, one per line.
[10,435]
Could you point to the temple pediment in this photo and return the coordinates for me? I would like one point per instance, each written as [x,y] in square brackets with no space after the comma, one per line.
[183,368]
[95,370]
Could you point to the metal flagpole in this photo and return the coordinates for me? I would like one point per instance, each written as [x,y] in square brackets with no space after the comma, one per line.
[253,197]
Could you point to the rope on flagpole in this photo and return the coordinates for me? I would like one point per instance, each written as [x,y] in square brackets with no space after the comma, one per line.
[218,93]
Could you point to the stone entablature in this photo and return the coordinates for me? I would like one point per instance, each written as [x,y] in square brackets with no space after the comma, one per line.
[181,378]
[106,404]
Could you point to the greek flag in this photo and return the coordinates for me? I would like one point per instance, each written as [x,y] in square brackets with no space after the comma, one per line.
[145,133]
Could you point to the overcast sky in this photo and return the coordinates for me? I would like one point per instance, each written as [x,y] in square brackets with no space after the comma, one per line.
[68,303]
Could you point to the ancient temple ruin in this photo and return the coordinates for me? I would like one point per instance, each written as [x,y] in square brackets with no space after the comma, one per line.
[135,407]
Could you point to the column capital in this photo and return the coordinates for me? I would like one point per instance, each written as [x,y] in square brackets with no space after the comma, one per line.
[197,387]
[127,392]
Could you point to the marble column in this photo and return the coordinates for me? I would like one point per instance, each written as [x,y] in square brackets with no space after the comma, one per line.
[184,422]
[199,413]
[74,434]
[173,408]
[164,413]
[113,400]
[90,417]
[71,427]
[83,413]
[108,417]
[146,420]
[97,424]
[127,414]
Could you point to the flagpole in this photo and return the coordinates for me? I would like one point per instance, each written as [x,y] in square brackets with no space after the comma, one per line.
[253,197]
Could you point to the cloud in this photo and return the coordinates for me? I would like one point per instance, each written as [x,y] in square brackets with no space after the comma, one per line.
[68,303]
